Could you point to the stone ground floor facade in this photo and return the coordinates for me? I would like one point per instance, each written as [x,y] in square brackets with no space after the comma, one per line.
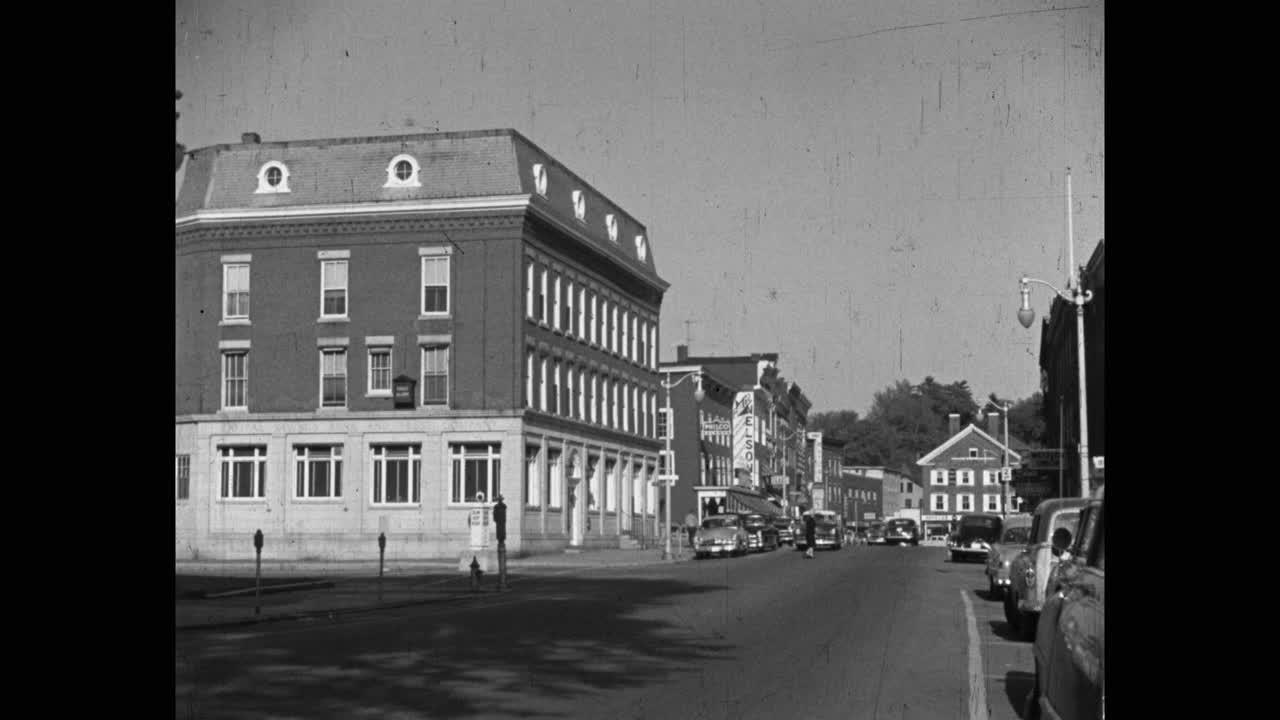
[322,488]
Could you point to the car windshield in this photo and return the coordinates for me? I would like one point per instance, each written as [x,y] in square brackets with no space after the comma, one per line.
[719,522]
[1016,535]
[753,521]
[979,527]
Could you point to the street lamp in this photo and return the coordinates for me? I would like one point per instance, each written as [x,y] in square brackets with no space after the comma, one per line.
[698,396]
[1004,461]
[1077,297]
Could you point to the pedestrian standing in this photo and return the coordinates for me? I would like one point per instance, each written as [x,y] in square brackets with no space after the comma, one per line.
[690,525]
[810,534]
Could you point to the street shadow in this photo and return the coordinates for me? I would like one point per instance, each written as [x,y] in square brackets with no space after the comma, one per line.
[519,654]
[1017,686]
[1002,630]
[986,594]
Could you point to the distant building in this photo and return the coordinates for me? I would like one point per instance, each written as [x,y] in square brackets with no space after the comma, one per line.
[857,497]
[900,490]
[962,475]
[825,454]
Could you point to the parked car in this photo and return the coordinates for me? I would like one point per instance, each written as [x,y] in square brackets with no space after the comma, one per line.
[900,531]
[974,537]
[875,533]
[761,534]
[1053,526]
[720,535]
[828,531]
[786,530]
[1070,643]
[1013,537]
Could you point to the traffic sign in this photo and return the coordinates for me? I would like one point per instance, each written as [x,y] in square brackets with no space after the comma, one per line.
[1006,474]
[665,480]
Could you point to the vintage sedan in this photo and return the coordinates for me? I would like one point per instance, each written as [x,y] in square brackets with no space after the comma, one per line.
[901,531]
[1053,525]
[786,530]
[973,538]
[828,531]
[875,533]
[1013,538]
[1070,644]
[761,534]
[720,535]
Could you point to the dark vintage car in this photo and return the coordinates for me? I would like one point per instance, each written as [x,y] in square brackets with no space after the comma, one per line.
[875,533]
[1069,650]
[720,535]
[1013,537]
[761,533]
[828,531]
[974,536]
[786,530]
[901,531]
[1053,526]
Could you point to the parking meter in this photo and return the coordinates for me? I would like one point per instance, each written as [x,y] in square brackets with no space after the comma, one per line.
[257,542]
[382,542]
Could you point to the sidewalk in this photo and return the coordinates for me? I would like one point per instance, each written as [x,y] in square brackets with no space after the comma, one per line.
[345,587]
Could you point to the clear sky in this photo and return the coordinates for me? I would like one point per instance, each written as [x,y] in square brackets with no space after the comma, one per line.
[854,185]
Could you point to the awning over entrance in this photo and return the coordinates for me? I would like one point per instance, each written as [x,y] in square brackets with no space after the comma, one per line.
[739,501]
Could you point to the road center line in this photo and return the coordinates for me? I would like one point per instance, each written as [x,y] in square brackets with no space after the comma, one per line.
[977,679]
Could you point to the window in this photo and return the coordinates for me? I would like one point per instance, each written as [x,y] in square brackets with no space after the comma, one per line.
[615,405]
[964,477]
[973,452]
[532,498]
[380,371]
[626,407]
[626,335]
[610,485]
[580,205]
[435,284]
[397,473]
[528,289]
[542,385]
[318,471]
[593,489]
[235,380]
[937,477]
[528,379]
[333,377]
[555,311]
[435,375]
[964,502]
[273,177]
[642,331]
[244,471]
[542,297]
[333,288]
[593,402]
[642,248]
[182,476]
[604,323]
[990,477]
[569,404]
[582,329]
[476,469]
[555,479]
[554,408]
[402,171]
[582,395]
[569,314]
[653,347]
[611,225]
[990,502]
[939,501]
[664,424]
[908,503]
[591,323]
[540,179]
[615,341]
[235,291]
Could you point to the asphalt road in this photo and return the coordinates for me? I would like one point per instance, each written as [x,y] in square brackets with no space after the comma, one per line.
[867,632]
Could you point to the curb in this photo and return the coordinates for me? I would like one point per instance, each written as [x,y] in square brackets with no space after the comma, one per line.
[331,612]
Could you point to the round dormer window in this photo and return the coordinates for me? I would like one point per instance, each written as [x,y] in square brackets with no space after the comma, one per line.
[402,172]
[273,177]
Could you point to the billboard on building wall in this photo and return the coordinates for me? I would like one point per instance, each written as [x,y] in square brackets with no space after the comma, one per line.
[744,432]
[819,472]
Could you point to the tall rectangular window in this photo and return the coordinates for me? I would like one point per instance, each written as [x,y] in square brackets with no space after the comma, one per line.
[532,492]
[939,501]
[626,407]
[615,337]
[333,377]
[542,384]
[964,502]
[317,471]
[244,471]
[582,330]
[592,325]
[641,334]
[610,489]
[542,296]
[582,393]
[554,398]
[569,375]
[937,477]
[568,309]
[435,284]
[235,380]
[528,380]
[555,479]
[182,476]
[626,336]
[653,347]
[476,469]
[990,502]
[594,468]
[604,324]
[333,288]
[379,371]
[593,402]
[556,303]
[435,374]
[528,289]
[964,477]
[235,291]
[397,474]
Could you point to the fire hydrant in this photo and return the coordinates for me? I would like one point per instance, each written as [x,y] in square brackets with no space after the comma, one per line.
[476,572]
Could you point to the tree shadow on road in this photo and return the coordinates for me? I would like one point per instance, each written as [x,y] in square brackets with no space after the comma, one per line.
[520,654]
[1017,686]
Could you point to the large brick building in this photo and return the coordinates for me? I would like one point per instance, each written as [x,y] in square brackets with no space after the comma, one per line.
[375,333]
[962,475]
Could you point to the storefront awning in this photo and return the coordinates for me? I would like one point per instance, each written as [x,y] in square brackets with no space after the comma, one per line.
[737,501]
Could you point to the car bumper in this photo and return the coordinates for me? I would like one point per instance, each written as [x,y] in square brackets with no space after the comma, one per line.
[716,549]
[969,552]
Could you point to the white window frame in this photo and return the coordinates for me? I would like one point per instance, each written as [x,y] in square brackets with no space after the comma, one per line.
[325,265]
[583,328]
[528,289]
[555,477]
[529,398]
[642,248]
[938,478]
[569,298]
[553,392]
[990,477]
[267,188]
[593,402]
[626,407]
[935,505]
[346,384]
[592,327]
[582,394]
[533,476]
[394,181]
[653,347]
[555,315]
[372,350]
[964,478]
[542,318]
[615,345]
[243,379]
[258,463]
[973,453]
[422,368]
[435,255]
[626,335]
[990,502]
[960,502]
[182,476]
[492,457]
[611,225]
[580,205]
[302,468]
[542,384]
[378,459]
[247,292]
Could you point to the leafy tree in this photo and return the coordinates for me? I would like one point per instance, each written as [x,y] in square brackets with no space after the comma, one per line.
[837,424]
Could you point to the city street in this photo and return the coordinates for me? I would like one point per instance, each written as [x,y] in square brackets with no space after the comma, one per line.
[865,632]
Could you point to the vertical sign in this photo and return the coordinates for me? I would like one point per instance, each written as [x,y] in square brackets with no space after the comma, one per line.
[744,432]
[819,474]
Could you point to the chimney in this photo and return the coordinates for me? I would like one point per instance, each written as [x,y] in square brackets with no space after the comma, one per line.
[993,426]
[682,353]
[953,424]
[250,138]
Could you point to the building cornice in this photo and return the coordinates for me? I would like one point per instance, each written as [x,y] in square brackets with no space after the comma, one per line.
[344,210]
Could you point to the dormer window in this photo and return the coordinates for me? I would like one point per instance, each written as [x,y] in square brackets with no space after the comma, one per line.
[540,179]
[611,223]
[402,172]
[973,452]
[580,205]
[273,177]
[642,248]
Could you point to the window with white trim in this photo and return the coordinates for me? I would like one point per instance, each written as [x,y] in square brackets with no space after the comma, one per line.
[990,477]
[235,291]
[937,477]
[594,402]
[938,502]
[604,324]
[626,335]
[610,485]
[653,347]
[964,477]
[542,295]
[182,476]
[611,225]
[244,471]
[569,314]
[615,421]
[626,407]
[528,289]
[990,502]
[964,502]
[402,172]
[973,452]
[528,380]
[555,479]
[397,474]
[477,468]
[540,179]
[582,395]
[568,406]
[555,311]
[542,384]
[435,374]
[580,205]
[317,471]
[554,395]
[235,380]
[435,284]
[333,377]
[273,177]
[333,288]
[380,371]
[615,342]
[583,328]
[532,490]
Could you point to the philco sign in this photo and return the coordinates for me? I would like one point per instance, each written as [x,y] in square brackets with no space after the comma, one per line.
[744,431]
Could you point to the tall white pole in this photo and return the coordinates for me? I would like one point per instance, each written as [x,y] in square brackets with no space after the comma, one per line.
[666,483]
[1071,245]
[1077,294]
[1004,481]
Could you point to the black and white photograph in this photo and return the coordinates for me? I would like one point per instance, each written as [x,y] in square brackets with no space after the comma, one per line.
[698,359]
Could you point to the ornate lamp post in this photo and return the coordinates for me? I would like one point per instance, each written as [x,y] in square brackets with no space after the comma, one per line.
[698,395]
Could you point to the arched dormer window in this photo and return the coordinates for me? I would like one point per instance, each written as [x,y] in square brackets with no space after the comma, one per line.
[611,223]
[540,179]
[642,248]
[402,172]
[273,177]
[580,205]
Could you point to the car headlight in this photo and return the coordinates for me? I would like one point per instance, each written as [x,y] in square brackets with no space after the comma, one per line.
[1005,564]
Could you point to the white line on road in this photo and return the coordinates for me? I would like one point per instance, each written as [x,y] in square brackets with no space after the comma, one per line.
[977,679]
